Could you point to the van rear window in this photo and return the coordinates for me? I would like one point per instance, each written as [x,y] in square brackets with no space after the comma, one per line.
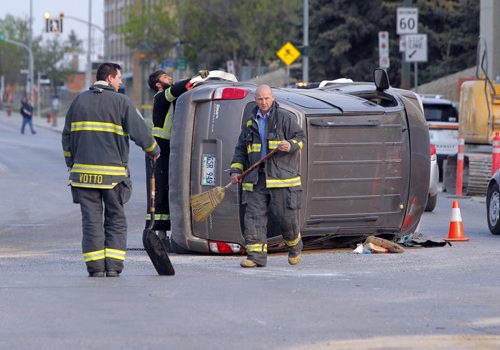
[440,113]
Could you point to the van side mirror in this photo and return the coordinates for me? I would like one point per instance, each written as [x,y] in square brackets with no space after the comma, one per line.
[381,79]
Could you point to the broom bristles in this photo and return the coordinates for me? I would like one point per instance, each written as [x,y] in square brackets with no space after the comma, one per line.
[203,204]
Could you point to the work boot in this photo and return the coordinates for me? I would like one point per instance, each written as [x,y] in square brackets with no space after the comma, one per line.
[96,274]
[248,263]
[294,260]
[112,273]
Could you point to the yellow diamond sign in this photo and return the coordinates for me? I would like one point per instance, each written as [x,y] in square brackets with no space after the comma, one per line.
[288,53]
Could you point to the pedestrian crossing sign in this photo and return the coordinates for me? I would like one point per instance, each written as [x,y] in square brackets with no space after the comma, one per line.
[288,53]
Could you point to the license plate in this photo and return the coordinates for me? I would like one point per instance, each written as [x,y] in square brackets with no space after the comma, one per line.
[208,170]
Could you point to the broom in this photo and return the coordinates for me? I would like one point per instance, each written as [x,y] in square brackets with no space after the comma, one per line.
[203,204]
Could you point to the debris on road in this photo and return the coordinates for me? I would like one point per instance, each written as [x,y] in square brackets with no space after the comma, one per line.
[377,245]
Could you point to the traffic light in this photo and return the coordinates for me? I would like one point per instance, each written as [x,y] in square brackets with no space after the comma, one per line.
[53,25]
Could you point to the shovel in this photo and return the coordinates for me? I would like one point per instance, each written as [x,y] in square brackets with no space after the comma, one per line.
[152,243]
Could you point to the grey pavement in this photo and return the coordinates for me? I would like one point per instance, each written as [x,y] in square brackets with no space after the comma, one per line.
[438,298]
[38,122]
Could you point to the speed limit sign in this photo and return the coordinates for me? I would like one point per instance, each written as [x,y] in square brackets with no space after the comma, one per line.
[407,20]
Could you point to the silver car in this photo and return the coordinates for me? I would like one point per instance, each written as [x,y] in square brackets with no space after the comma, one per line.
[433,181]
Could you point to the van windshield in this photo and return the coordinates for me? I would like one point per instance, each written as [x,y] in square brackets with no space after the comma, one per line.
[440,113]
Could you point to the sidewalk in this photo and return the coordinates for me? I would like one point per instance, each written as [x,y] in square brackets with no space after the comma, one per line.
[38,122]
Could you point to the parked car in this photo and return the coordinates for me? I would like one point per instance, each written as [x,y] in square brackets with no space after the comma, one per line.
[433,181]
[442,117]
[493,204]
[364,165]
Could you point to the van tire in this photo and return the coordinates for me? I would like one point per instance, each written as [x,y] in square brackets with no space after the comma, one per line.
[492,208]
[431,203]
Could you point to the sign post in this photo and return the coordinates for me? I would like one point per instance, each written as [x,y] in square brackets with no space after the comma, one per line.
[406,23]
[416,51]
[383,50]
[416,48]
[407,20]
[288,53]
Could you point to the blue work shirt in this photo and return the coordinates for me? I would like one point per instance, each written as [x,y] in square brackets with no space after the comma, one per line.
[261,120]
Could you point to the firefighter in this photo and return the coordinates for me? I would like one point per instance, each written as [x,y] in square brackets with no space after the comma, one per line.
[163,113]
[272,191]
[95,141]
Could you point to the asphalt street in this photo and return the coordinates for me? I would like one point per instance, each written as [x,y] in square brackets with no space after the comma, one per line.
[425,298]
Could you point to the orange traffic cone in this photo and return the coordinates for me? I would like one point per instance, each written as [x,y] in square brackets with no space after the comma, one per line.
[410,213]
[456,231]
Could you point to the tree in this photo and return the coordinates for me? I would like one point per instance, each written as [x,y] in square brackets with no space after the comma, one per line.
[151,29]
[452,29]
[14,58]
[248,32]
[48,55]
[74,44]
[50,60]
[345,37]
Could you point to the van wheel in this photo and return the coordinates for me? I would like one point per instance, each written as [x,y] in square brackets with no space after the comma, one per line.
[431,203]
[493,209]
[177,248]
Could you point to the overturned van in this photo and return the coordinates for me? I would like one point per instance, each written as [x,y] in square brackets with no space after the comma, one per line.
[364,166]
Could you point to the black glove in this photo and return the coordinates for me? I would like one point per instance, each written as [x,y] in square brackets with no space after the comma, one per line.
[203,73]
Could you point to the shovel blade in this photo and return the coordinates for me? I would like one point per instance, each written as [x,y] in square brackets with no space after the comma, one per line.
[157,253]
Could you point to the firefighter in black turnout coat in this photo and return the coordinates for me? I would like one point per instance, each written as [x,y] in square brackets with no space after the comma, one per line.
[95,141]
[163,114]
[273,190]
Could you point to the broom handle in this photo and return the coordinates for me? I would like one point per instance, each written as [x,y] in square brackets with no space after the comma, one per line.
[257,163]
[152,192]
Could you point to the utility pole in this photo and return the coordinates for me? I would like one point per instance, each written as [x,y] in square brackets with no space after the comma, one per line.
[39,76]
[31,79]
[88,72]
[305,53]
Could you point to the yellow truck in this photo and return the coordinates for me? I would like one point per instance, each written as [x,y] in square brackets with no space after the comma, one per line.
[479,119]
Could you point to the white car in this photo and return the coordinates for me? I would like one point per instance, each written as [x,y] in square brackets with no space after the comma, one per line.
[442,118]
[433,182]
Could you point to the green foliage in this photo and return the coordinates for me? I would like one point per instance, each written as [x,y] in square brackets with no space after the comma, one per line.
[344,37]
[13,58]
[49,60]
[74,44]
[48,55]
[248,32]
[151,28]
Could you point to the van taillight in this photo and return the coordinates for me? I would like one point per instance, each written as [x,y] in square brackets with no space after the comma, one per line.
[229,94]
[224,247]
[433,152]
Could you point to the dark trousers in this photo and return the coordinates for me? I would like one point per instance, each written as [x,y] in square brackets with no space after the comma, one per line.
[104,226]
[29,122]
[162,208]
[281,204]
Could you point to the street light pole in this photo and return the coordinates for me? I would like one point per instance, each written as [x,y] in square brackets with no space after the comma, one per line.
[305,54]
[88,72]
[30,57]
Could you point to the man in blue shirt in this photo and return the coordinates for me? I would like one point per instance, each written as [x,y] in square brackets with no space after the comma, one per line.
[274,189]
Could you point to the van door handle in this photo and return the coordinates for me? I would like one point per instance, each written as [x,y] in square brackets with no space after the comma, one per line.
[332,124]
